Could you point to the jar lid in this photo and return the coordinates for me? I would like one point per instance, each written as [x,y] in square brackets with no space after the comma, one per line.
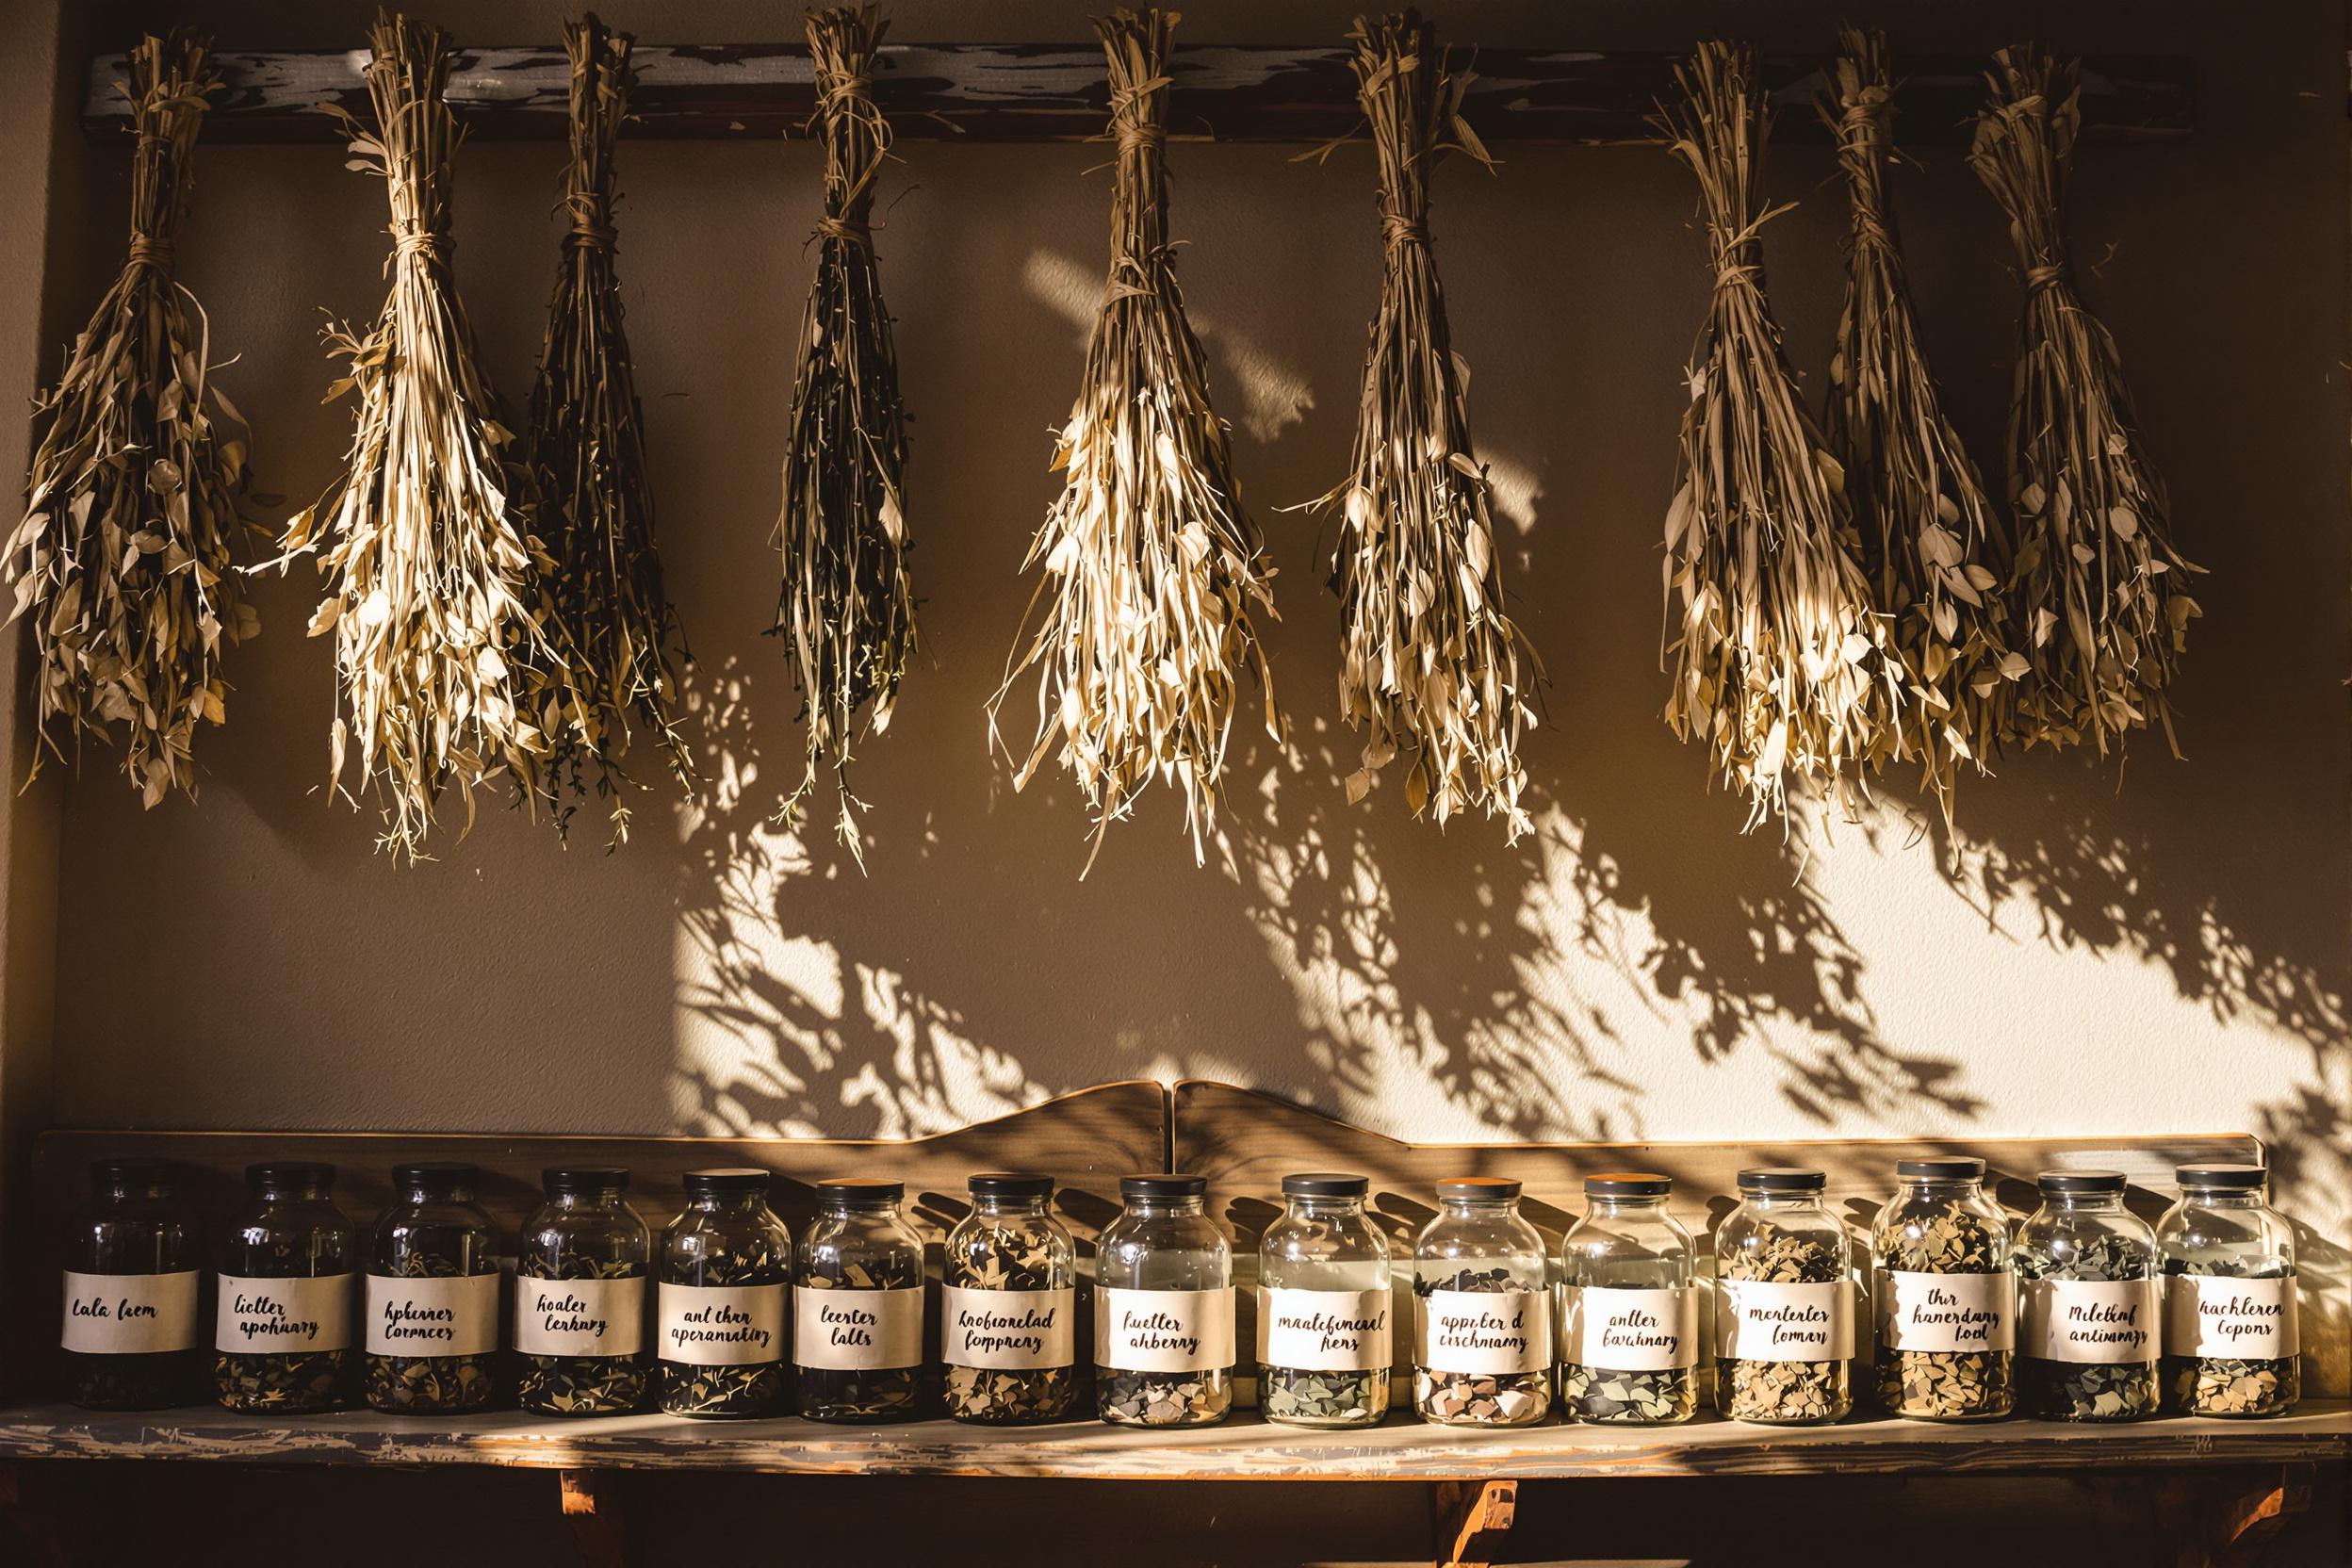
[584,1178]
[2100,1182]
[1783,1178]
[439,1179]
[859,1193]
[1953,1169]
[1011,1184]
[2223,1178]
[1477,1189]
[133,1173]
[731,1180]
[1162,1186]
[289,1173]
[1325,1184]
[1628,1184]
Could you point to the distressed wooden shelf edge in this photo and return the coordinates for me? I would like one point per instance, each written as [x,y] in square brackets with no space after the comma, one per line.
[1243,1450]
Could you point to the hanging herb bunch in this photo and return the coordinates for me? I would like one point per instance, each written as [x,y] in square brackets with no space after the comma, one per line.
[1934,554]
[1429,659]
[848,605]
[1141,627]
[1778,664]
[125,562]
[2100,606]
[423,536]
[587,454]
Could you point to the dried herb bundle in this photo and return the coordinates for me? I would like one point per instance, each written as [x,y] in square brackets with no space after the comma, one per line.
[2100,606]
[1430,660]
[125,559]
[586,451]
[1139,629]
[1934,553]
[423,535]
[1779,666]
[848,603]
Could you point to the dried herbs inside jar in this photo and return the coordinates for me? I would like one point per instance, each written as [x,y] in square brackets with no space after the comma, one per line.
[858,1305]
[1630,1329]
[1482,1310]
[281,1333]
[2233,1321]
[1945,1294]
[2087,1273]
[431,1298]
[1324,1342]
[1784,1319]
[722,1270]
[134,1275]
[1008,1307]
[1164,1308]
[581,1281]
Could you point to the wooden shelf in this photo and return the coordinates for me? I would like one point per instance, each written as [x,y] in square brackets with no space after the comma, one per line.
[1242,1449]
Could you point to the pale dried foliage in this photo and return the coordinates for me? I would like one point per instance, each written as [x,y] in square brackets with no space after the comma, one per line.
[1779,665]
[1141,627]
[124,562]
[2100,606]
[422,535]
[603,598]
[848,602]
[1429,662]
[1934,553]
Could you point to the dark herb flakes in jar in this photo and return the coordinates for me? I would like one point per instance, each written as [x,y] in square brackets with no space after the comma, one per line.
[579,1298]
[1945,1294]
[134,1274]
[724,1268]
[431,1301]
[282,1330]
[1008,1306]
[857,1306]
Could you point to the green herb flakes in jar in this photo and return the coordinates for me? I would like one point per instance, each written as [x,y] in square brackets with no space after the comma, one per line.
[430,1300]
[1009,1304]
[133,1276]
[2232,1333]
[721,1276]
[2087,1289]
[858,1305]
[1164,1308]
[1482,1309]
[581,1282]
[285,1294]
[1324,1342]
[1784,1307]
[1945,1294]
[1629,1320]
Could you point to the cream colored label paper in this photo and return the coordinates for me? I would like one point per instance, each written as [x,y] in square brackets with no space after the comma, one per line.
[283,1317]
[720,1324]
[1164,1331]
[1324,1331]
[131,1314]
[2109,1322]
[455,1316]
[1630,1330]
[2214,1316]
[580,1318]
[1484,1332]
[858,1330]
[1764,1321]
[1008,1330]
[1946,1313]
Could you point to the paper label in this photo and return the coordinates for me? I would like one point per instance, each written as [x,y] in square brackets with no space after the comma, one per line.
[1630,1330]
[861,1331]
[720,1324]
[1484,1332]
[130,1315]
[580,1318]
[1008,1330]
[1324,1331]
[2111,1322]
[2215,1315]
[283,1317]
[1946,1312]
[454,1316]
[1762,1320]
[1164,1331]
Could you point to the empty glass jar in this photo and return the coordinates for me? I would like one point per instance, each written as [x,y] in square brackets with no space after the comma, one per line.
[1324,1342]
[1009,1304]
[1629,1324]
[581,1280]
[1784,1312]
[285,1294]
[2087,1289]
[1482,1310]
[2232,1336]
[719,1305]
[1945,1294]
[858,1305]
[430,1296]
[1164,1308]
[134,1266]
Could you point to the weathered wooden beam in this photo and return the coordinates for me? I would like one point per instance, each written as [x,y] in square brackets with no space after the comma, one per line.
[1469,1520]
[1055,92]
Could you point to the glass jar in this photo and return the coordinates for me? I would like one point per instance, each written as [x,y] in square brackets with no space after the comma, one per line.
[1482,1310]
[1946,1295]
[858,1305]
[721,1274]
[579,1296]
[285,1293]
[1009,1304]
[134,1266]
[2232,1343]
[432,1296]
[2087,1289]
[1324,1342]
[1784,1312]
[1629,1323]
[1163,1308]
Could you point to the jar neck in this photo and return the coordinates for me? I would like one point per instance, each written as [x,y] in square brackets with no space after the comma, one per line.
[726,1203]
[597,1199]
[1949,1191]
[2224,1198]
[1478,1208]
[1324,1208]
[1009,1208]
[416,1198]
[1606,1207]
[1780,1203]
[1165,1208]
[2085,1202]
[126,1192]
[290,1192]
[862,1211]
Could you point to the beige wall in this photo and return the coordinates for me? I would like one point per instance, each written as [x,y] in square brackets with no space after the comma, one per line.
[2169,956]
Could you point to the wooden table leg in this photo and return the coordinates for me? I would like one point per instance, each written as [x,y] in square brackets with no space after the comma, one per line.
[2226,1518]
[1469,1520]
[593,1512]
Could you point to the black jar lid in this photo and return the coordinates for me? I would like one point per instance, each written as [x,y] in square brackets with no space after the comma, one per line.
[1011,1184]
[2223,1177]
[859,1194]
[1325,1184]
[1162,1186]
[133,1172]
[1628,1184]
[1955,1169]
[2083,1183]
[281,1175]
[437,1179]
[585,1178]
[1477,1189]
[732,1181]
[1783,1178]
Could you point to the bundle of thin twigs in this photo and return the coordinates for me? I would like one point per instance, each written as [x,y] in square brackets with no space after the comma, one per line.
[1139,628]
[603,598]
[1933,550]
[124,561]
[1430,662]
[2100,606]
[848,603]
[1778,664]
[422,535]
